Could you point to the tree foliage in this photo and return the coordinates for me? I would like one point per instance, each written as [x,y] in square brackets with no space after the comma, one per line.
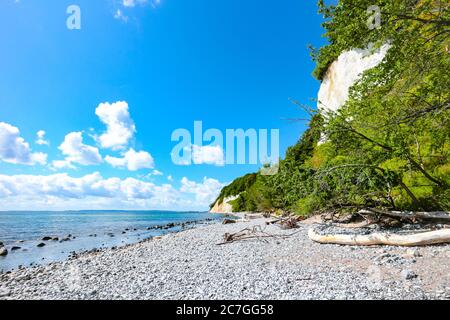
[389,145]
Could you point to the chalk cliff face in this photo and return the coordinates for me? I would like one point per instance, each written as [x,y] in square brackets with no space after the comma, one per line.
[343,74]
[224,207]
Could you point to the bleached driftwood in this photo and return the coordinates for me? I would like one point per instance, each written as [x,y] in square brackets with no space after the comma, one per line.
[419,239]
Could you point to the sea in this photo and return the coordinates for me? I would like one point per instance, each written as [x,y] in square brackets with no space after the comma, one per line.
[79,231]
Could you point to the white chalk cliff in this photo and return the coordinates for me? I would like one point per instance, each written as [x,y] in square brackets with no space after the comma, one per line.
[225,206]
[344,73]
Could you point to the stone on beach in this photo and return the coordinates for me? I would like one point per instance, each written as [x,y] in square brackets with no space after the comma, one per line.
[408,274]
[4,293]
[190,265]
[228,221]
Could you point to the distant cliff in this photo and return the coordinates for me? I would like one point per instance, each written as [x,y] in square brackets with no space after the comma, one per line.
[225,206]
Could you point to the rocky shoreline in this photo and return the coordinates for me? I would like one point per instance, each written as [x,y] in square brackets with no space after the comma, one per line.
[190,265]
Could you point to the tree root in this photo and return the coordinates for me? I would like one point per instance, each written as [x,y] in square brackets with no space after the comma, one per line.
[412,240]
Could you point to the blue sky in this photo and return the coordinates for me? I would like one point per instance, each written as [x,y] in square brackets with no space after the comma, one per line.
[157,66]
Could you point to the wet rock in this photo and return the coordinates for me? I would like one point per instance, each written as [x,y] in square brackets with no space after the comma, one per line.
[55,239]
[46,238]
[3,251]
[40,245]
[15,248]
[228,221]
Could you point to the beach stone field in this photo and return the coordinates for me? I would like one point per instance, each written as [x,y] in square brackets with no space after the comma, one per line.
[284,265]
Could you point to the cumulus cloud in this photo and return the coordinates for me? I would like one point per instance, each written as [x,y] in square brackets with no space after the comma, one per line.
[93,191]
[77,152]
[41,138]
[120,127]
[205,192]
[64,186]
[212,155]
[14,149]
[132,160]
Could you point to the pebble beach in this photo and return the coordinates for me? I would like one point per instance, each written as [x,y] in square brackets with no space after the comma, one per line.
[191,265]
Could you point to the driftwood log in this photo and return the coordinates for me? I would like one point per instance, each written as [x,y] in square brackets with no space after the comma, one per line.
[412,240]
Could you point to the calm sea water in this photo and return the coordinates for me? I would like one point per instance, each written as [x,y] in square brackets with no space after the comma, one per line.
[89,230]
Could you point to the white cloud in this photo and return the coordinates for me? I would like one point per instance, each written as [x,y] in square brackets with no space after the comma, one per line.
[63,192]
[170,178]
[132,160]
[157,173]
[62,164]
[119,15]
[41,138]
[213,155]
[14,149]
[205,192]
[77,152]
[132,3]
[120,127]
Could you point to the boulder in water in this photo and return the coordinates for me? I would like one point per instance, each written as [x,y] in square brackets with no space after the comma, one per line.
[3,251]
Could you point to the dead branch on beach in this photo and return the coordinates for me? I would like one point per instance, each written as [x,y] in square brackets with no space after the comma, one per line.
[286,223]
[256,232]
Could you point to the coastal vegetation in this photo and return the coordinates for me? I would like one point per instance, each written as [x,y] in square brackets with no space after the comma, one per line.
[388,147]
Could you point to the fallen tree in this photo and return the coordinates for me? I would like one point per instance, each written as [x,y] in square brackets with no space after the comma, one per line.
[433,217]
[411,240]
